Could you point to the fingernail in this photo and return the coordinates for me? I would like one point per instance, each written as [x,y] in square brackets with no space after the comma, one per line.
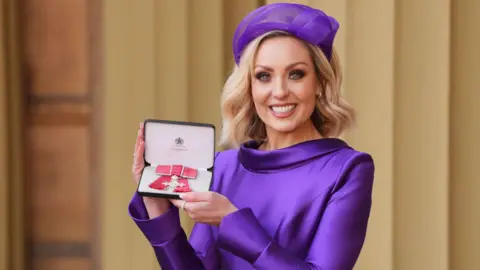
[181,196]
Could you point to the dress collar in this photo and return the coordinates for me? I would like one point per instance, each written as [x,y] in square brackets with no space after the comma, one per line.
[268,161]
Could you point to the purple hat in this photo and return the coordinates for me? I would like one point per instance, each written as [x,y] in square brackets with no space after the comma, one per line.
[304,22]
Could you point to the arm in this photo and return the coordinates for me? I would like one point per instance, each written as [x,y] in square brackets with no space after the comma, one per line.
[172,249]
[338,239]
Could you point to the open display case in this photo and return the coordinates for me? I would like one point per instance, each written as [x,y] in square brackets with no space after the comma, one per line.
[178,156]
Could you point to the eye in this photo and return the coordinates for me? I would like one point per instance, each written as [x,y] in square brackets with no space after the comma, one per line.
[263,76]
[296,74]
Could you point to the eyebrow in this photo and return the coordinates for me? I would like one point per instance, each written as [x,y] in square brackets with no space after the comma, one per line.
[288,67]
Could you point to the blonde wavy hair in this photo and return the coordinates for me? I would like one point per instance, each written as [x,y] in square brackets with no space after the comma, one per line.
[331,117]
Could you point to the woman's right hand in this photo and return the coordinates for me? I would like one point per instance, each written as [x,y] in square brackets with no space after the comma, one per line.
[155,206]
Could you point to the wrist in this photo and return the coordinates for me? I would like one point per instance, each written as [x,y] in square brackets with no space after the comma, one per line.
[156,207]
[231,210]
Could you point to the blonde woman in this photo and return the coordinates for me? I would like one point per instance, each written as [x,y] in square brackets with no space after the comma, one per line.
[287,194]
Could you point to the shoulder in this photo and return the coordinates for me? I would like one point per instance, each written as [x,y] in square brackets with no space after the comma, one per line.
[226,157]
[349,158]
[355,168]
[225,161]
[224,167]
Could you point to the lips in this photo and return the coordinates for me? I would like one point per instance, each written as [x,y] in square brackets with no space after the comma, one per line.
[283,108]
[283,111]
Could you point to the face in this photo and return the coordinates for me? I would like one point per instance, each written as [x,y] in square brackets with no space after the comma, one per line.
[284,85]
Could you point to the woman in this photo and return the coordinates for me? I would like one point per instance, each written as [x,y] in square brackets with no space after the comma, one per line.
[288,194]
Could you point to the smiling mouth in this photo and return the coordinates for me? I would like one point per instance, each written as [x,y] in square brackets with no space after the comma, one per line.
[283,110]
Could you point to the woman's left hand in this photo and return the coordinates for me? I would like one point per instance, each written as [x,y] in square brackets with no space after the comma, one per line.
[205,207]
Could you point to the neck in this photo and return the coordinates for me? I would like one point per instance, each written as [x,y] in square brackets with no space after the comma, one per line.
[278,140]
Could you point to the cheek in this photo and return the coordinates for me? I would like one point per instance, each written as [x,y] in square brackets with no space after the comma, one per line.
[305,93]
[259,94]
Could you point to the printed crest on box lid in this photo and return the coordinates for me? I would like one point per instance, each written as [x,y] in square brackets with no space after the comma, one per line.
[188,144]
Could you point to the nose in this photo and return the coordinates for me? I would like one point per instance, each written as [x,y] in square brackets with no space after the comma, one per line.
[280,89]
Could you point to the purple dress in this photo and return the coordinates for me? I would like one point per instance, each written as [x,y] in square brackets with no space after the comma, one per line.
[302,207]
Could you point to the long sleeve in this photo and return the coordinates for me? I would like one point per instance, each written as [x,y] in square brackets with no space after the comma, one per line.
[339,236]
[169,241]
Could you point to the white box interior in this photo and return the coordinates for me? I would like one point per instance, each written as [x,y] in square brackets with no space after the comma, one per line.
[173,143]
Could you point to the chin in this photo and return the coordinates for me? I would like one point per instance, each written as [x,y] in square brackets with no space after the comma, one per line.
[285,120]
[283,126]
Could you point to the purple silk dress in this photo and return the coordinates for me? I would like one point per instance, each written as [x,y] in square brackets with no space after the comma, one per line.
[302,207]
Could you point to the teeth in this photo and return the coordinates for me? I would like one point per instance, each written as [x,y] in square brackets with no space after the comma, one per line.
[283,109]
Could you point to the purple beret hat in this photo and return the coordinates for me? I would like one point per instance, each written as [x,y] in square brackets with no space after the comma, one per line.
[304,22]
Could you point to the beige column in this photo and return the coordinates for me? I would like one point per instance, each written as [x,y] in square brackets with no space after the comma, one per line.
[171,47]
[129,96]
[369,87]
[464,136]
[421,165]
[206,64]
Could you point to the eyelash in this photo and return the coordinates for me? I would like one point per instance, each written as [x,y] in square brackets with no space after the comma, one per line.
[299,74]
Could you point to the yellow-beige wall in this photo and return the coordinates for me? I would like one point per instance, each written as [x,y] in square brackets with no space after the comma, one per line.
[410,70]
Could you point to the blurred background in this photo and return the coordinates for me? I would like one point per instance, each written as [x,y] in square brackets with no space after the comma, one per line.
[78,76]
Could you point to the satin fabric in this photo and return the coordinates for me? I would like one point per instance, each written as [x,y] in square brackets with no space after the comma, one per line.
[302,207]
